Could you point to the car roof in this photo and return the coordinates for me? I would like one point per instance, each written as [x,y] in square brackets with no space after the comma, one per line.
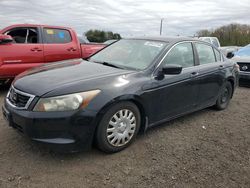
[169,39]
[35,25]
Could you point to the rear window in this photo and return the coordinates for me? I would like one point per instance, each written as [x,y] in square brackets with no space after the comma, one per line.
[56,36]
[207,40]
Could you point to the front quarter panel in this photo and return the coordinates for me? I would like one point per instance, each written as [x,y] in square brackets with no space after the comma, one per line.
[125,87]
[113,89]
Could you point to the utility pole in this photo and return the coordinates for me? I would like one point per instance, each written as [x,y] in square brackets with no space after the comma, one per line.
[161,26]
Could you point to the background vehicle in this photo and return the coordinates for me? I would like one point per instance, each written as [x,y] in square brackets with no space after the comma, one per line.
[34,45]
[110,41]
[211,40]
[229,49]
[215,41]
[129,86]
[242,58]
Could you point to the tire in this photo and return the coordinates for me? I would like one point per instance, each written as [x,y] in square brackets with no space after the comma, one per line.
[224,96]
[118,127]
[5,83]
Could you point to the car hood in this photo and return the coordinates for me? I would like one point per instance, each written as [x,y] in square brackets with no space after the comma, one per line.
[241,59]
[43,79]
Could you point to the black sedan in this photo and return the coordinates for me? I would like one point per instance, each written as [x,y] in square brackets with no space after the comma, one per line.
[127,87]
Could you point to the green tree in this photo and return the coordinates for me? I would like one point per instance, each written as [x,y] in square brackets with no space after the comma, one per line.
[229,35]
[101,36]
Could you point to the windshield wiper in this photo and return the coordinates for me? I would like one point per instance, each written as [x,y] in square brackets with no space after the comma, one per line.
[109,64]
[112,65]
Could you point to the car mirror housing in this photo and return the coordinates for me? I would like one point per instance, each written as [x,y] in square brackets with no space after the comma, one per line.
[4,39]
[230,55]
[171,69]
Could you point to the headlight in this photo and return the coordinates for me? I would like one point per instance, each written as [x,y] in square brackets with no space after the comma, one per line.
[65,102]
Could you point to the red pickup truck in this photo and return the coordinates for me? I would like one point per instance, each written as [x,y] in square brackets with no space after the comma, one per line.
[25,46]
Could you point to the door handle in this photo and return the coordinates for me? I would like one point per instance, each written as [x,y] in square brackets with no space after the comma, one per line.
[71,49]
[221,67]
[194,74]
[36,49]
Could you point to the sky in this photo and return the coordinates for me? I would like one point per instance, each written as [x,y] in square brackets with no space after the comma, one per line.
[128,17]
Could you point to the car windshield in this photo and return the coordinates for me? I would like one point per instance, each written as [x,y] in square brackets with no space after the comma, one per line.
[243,52]
[130,53]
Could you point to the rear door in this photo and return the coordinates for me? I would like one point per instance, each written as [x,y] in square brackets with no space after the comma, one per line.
[211,73]
[60,44]
[25,52]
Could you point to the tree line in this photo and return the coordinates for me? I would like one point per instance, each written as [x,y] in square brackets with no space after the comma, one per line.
[229,35]
[101,36]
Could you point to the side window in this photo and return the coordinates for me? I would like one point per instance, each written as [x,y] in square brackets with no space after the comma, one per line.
[181,54]
[24,35]
[56,36]
[217,55]
[205,53]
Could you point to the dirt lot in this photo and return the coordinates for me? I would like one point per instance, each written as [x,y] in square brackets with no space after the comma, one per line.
[204,149]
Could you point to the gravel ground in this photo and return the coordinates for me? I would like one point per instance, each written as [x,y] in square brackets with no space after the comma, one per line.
[204,149]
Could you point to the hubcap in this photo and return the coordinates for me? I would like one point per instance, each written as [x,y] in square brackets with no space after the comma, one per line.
[121,127]
[225,95]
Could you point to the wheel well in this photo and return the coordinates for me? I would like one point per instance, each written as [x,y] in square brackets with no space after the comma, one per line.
[138,105]
[143,115]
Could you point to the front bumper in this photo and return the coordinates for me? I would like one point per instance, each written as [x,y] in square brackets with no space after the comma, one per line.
[61,131]
[244,78]
[244,75]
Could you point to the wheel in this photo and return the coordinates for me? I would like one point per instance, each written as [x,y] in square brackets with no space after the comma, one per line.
[118,127]
[224,96]
[5,83]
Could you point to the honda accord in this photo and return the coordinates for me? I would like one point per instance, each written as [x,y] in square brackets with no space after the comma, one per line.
[125,88]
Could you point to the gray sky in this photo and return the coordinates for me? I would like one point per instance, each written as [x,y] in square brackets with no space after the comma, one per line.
[127,17]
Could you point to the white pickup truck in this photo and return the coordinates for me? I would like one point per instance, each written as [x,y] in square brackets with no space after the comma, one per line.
[212,40]
[226,50]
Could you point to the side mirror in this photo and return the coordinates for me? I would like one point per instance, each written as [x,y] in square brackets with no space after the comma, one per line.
[230,55]
[4,39]
[171,69]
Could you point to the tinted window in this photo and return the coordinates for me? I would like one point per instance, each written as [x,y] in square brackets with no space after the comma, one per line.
[56,36]
[181,54]
[218,55]
[205,53]
[24,35]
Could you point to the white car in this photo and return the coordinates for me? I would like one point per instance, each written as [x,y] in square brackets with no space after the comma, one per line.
[212,40]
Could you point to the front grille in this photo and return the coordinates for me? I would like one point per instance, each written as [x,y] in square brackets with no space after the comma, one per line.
[19,99]
[244,67]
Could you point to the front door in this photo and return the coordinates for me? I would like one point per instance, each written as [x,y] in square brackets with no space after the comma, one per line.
[25,51]
[175,94]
